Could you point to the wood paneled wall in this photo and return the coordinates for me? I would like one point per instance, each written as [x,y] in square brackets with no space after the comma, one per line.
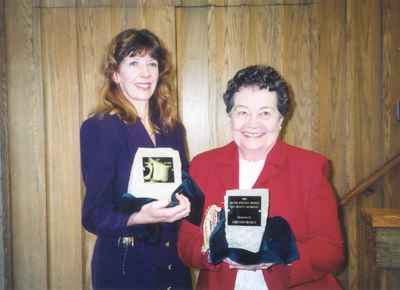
[5,226]
[341,57]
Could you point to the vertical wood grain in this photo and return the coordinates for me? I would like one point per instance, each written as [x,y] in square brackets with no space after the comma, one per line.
[298,52]
[369,93]
[60,74]
[341,58]
[192,75]
[57,3]
[118,20]
[391,95]
[354,136]
[94,35]
[229,52]
[27,156]
[352,216]
[5,223]
[216,76]
[161,21]
[331,86]
[94,3]
[331,83]
[267,36]
[365,113]
[371,104]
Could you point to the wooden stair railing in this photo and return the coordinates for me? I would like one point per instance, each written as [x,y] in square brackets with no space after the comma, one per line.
[364,185]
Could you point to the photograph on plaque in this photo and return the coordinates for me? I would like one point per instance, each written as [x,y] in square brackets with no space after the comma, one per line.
[246,212]
[158,169]
[155,173]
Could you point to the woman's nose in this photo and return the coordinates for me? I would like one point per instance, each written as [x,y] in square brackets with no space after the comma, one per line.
[253,120]
[144,71]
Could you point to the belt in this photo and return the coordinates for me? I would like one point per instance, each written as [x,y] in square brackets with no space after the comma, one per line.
[126,242]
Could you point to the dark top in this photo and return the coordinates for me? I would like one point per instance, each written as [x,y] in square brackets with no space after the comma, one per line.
[108,147]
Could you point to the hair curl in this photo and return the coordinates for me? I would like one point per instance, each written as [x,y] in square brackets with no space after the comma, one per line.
[162,105]
[263,77]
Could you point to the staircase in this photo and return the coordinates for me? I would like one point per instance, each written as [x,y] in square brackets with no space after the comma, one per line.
[380,248]
[373,235]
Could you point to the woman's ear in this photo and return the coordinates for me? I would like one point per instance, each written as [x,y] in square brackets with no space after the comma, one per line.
[115,77]
[282,119]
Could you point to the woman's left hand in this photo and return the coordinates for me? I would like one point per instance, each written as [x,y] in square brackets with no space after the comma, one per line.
[181,210]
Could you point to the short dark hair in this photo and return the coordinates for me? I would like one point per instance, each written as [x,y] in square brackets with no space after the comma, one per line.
[263,77]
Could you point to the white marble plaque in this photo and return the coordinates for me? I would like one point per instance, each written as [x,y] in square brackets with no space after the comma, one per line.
[155,173]
[246,212]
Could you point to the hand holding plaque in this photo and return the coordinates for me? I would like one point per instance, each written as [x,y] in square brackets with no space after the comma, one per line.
[156,175]
[245,236]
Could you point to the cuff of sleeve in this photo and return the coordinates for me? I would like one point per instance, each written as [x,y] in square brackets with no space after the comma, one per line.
[207,265]
[301,270]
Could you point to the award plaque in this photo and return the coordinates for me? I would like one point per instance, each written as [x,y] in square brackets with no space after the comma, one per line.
[155,173]
[246,212]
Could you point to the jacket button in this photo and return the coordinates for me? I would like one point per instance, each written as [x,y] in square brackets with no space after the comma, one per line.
[169,288]
[167,244]
[170,267]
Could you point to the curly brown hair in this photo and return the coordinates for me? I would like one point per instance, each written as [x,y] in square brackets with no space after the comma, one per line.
[162,105]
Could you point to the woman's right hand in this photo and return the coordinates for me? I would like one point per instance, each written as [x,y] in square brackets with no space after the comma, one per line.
[159,212]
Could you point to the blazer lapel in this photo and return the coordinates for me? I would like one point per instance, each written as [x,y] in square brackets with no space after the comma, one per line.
[228,167]
[137,136]
[273,165]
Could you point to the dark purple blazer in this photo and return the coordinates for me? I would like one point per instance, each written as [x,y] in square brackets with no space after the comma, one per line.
[108,147]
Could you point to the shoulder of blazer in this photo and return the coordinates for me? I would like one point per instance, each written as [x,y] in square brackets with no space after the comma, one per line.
[306,153]
[223,154]
[104,127]
[103,122]
[297,156]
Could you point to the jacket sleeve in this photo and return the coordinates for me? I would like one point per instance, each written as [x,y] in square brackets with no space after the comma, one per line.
[99,148]
[180,146]
[321,250]
[190,238]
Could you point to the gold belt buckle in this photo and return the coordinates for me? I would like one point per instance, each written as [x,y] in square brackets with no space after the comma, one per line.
[126,241]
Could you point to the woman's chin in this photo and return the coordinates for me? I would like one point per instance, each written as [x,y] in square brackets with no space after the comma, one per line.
[252,153]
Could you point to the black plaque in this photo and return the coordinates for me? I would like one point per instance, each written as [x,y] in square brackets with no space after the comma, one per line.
[244,210]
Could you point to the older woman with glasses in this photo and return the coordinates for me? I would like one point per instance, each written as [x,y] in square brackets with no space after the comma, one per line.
[257,101]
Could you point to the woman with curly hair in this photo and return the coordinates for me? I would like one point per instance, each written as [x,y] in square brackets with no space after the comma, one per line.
[136,110]
[257,100]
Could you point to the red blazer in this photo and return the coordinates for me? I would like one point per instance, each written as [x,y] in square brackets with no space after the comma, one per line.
[299,191]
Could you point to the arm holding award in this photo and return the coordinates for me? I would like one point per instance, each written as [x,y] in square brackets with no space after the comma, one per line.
[133,159]
[270,216]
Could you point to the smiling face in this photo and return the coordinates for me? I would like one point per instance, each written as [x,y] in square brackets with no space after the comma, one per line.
[255,122]
[137,77]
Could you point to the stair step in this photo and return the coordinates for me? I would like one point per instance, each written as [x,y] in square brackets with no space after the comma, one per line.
[383,233]
[382,217]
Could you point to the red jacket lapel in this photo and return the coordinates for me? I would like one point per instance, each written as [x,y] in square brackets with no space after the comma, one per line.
[273,165]
[228,166]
